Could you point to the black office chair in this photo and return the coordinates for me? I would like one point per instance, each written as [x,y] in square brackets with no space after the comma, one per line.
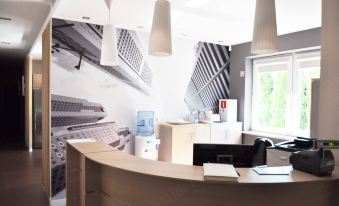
[260,152]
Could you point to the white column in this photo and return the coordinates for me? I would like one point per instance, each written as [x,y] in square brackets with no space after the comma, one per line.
[329,80]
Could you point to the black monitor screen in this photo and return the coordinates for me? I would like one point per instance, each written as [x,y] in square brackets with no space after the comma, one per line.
[238,155]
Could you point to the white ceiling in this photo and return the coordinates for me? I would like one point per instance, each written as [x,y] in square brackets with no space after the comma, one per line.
[27,17]
[229,21]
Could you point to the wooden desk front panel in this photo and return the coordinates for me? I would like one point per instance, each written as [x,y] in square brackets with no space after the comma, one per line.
[119,187]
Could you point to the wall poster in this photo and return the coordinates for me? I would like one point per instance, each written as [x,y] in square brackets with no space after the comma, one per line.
[89,100]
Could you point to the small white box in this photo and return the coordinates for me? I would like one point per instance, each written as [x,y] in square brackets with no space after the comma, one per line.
[228,110]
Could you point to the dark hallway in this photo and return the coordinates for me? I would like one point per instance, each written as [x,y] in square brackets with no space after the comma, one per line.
[20,171]
[20,177]
[12,101]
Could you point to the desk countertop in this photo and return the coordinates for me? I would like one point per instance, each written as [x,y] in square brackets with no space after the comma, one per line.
[134,164]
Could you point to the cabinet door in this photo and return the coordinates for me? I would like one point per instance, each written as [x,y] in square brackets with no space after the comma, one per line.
[182,145]
[165,149]
[219,134]
[235,135]
[226,133]
[202,134]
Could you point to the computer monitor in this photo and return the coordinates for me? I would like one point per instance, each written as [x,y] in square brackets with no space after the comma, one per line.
[238,155]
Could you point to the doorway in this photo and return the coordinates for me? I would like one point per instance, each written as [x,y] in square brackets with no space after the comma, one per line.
[12,102]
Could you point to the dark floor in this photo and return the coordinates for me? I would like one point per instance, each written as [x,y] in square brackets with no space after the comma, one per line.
[21,177]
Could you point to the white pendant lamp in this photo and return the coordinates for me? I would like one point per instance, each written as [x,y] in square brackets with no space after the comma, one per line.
[160,43]
[265,39]
[109,52]
[108,4]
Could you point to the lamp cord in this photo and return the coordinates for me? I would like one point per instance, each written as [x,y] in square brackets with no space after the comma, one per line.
[109,16]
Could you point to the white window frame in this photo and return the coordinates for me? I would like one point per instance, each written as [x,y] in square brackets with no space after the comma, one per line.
[295,129]
[293,99]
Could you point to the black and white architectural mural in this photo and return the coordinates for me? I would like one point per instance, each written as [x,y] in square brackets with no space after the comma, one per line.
[92,101]
[85,94]
[74,42]
[211,77]
[74,118]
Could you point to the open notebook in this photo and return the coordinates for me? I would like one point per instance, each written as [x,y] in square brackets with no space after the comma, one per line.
[220,172]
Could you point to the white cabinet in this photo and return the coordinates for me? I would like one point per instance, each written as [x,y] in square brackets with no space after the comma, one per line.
[176,141]
[201,134]
[226,133]
[182,145]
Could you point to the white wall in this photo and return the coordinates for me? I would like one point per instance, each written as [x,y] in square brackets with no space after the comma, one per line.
[173,75]
[329,84]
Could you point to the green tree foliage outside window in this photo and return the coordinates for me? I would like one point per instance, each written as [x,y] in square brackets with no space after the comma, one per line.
[305,77]
[272,97]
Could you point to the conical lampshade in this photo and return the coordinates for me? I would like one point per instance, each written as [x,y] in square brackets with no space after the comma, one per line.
[265,39]
[108,4]
[160,43]
[109,53]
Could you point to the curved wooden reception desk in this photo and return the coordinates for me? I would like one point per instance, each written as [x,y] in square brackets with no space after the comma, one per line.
[100,175]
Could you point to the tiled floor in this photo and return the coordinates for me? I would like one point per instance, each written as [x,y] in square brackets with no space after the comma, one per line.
[21,178]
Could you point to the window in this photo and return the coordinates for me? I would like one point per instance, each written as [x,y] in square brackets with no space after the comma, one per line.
[282,93]
[307,68]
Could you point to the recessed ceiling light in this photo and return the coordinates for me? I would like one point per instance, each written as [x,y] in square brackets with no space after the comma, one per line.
[140,27]
[86,18]
[5,18]
[4,42]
